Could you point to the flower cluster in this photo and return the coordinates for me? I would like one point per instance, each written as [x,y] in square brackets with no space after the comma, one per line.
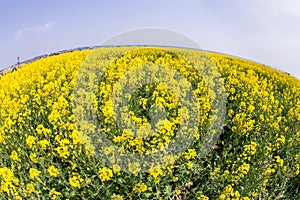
[50,146]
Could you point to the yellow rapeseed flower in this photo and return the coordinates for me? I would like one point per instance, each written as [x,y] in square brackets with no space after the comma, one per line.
[33,157]
[30,141]
[53,171]
[14,156]
[34,173]
[54,194]
[75,181]
[105,173]
[44,144]
[116,197]
[140,187]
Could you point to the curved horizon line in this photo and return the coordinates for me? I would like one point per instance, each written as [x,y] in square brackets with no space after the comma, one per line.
[20,64]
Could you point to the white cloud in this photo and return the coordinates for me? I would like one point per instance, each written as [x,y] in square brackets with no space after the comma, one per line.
[40,28]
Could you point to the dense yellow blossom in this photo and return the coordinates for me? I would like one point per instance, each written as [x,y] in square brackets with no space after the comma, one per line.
[14,156]
[53,147]
[30,141]
[53,171]
[34,173]
[105,174]
[75,181]
[33,157]
[54,194]
[140,187]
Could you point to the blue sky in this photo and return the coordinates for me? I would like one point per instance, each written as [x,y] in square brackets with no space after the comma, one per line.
[266,31]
